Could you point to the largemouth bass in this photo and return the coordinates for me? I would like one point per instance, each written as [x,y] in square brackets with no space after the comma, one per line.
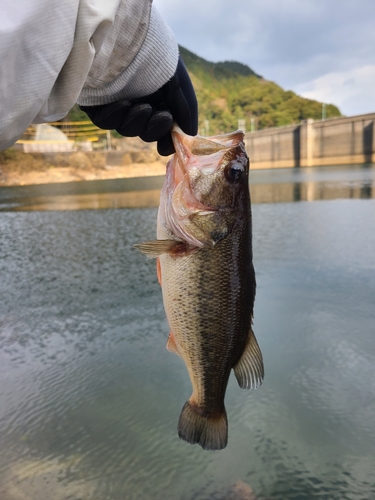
[204,266]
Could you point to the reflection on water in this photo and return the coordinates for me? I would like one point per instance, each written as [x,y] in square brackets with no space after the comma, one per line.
[312,184]
[131,199]
[139,192]
[90,397]
[311,191]
[270,186]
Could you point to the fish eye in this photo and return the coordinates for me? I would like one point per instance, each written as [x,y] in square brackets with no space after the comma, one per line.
[234,172]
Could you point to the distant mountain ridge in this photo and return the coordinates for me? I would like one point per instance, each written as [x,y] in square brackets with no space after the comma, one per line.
[238,68]
[220,70]
[229,91]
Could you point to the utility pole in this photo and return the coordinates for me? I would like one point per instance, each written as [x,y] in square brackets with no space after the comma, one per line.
[242,125]
[252,124]
[324,113]
[206,128]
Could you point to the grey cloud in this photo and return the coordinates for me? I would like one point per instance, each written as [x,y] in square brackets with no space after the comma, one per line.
[289,41]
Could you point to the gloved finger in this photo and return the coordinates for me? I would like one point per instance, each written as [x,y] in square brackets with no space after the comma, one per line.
[158,126]
[90,111]
[165,145]
[135,121]
[108,116]
[111,115]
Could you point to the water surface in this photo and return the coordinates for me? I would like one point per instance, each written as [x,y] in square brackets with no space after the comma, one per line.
[267,186]
[90,397]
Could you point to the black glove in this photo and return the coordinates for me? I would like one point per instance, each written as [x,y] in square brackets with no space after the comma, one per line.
[152,117]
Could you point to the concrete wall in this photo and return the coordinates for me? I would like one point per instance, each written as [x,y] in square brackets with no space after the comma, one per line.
[338,141]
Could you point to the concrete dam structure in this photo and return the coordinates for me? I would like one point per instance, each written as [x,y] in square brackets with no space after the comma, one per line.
[336,141]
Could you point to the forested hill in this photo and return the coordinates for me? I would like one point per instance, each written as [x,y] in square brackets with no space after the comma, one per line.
[228,91]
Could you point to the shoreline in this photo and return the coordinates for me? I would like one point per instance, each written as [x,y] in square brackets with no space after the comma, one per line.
[55,175]
[130,157]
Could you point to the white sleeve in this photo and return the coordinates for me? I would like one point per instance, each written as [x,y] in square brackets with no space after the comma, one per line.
[55,53]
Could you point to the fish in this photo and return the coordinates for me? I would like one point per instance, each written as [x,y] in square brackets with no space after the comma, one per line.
[205,268]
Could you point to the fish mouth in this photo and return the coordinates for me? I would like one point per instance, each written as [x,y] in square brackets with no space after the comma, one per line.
[203,153]
[187,145]
[184,210]
[196,152]
[184,202]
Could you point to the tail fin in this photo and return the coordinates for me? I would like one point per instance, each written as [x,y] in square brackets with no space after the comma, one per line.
[209,431]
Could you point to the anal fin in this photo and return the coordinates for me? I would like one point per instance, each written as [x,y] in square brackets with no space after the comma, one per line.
[171,344]
[249,370]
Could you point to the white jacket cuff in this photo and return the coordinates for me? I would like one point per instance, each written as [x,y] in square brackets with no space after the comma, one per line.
[154,64]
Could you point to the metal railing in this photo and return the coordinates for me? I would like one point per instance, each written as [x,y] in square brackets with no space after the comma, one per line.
[64,136]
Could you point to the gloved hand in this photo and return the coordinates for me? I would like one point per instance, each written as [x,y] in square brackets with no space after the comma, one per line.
[152,117]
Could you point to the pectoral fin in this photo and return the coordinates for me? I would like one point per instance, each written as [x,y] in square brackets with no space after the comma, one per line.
[155,248]
[171,344]
[249,370]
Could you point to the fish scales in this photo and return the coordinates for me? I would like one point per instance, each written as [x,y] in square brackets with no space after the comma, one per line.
[207,297]
[207,277]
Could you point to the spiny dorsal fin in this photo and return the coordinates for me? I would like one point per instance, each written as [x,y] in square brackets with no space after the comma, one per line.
[249,370]
[155,248]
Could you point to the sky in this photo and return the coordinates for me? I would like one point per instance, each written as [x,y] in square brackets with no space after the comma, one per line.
[320,49]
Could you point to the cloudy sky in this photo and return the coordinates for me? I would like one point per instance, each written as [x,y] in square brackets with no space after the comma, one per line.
[321,49]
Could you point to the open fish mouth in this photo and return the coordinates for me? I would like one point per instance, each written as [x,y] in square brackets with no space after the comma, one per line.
[196,156]
[200,152]
[198,186]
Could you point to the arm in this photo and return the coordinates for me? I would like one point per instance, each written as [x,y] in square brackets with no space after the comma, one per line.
[56,53]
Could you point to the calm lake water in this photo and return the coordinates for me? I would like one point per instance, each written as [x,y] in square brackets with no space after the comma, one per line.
[90,397]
